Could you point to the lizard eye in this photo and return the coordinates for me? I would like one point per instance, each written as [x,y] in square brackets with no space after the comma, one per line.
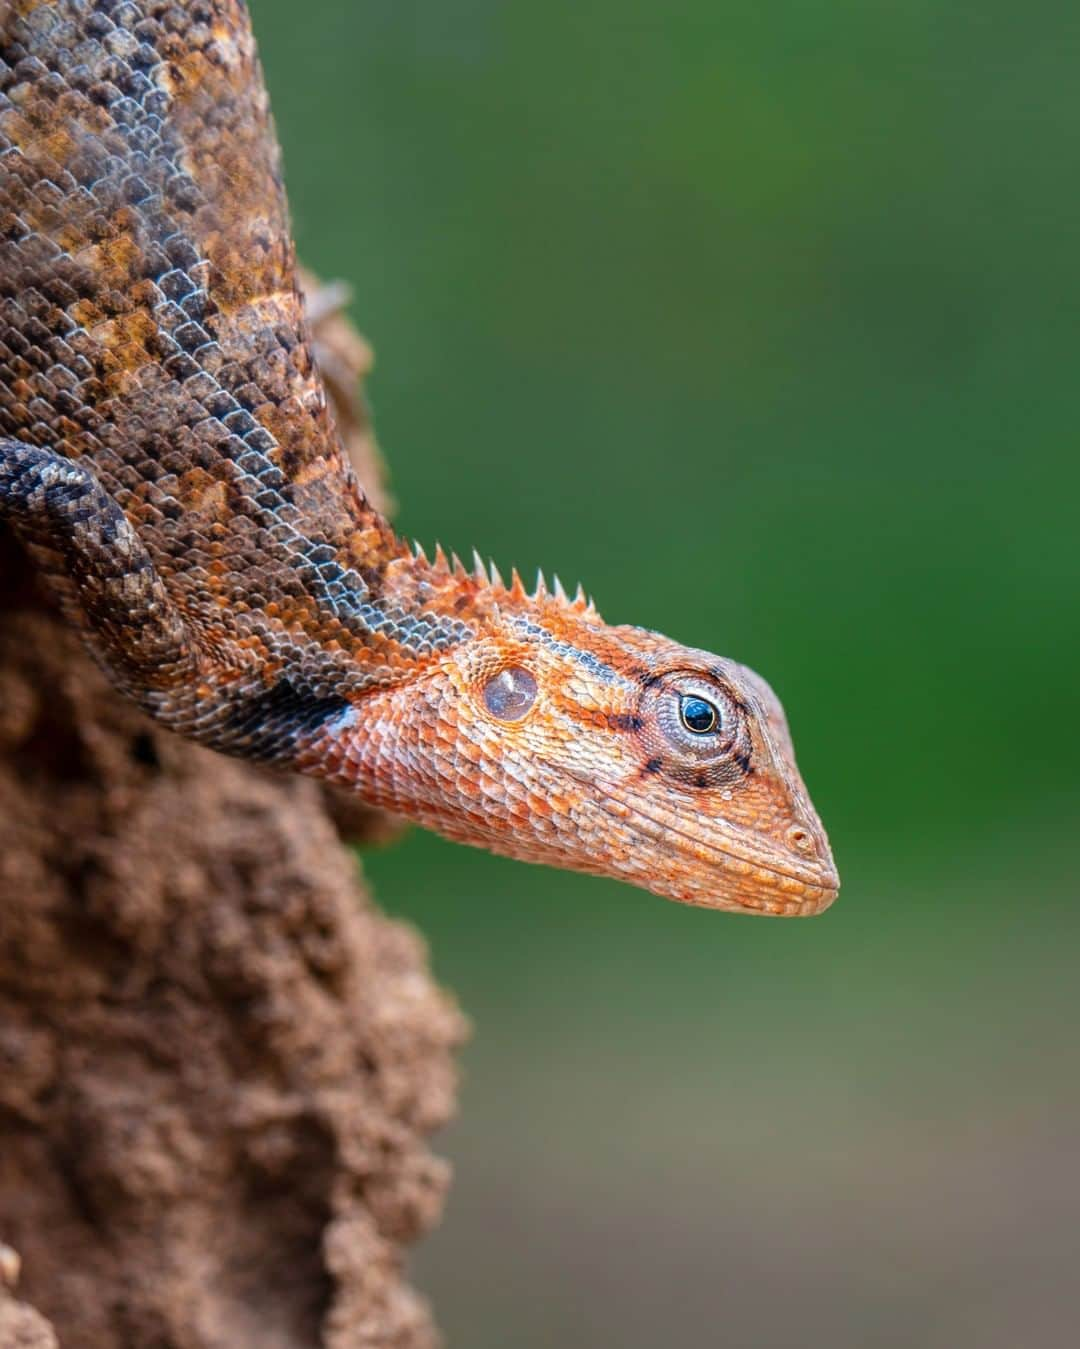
[695,729]
[510,694]
[698,715]
[700,723]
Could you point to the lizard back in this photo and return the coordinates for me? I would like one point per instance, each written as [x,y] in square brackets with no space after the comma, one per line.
[151,323]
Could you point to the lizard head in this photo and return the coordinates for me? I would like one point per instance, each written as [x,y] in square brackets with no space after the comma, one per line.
[552,737]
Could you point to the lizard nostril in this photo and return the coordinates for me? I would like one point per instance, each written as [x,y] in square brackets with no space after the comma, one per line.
[800,838]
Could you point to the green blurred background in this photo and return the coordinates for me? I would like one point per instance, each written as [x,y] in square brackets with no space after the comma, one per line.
[763,320]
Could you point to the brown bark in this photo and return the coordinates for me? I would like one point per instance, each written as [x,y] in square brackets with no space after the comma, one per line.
[219,1064]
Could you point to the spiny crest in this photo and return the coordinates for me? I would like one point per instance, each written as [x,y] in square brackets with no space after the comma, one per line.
[556,592]
[580,604]
[487,574]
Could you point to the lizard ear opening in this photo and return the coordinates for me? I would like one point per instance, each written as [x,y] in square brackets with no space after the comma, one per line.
[510,694]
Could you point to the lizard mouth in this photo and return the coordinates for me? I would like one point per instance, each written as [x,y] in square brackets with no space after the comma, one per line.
[742,874]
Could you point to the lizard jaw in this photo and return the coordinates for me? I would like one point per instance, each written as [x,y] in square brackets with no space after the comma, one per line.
[732,869]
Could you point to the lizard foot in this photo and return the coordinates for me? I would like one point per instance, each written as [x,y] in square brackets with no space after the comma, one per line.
[98,567]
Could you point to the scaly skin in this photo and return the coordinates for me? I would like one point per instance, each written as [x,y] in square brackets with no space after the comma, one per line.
[167,454]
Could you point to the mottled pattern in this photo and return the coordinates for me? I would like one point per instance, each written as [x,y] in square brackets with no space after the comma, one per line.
[167,452]
[150,321]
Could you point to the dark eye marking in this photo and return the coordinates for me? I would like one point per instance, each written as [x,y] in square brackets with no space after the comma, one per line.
[510,694]
[624,721]
[654,765]
[698,715]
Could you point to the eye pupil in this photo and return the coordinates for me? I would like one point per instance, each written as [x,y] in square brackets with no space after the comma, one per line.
[698,715]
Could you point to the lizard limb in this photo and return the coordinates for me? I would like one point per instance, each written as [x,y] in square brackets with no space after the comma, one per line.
[99,567]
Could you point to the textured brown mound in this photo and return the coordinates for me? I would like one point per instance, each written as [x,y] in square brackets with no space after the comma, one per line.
[20,1326]
[218,1064]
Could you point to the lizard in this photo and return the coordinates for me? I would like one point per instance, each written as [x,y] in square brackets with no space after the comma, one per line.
[169,459]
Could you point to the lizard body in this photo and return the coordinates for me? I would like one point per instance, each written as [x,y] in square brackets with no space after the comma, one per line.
[168,456]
